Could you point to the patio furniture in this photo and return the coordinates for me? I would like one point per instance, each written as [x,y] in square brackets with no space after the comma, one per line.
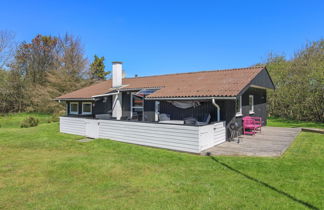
[164,117]
[234,131]
[176,122]
[249,126]
[205,121]
[190,121]
[258,123]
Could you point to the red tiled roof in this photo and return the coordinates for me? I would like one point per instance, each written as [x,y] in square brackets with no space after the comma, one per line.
[196,84]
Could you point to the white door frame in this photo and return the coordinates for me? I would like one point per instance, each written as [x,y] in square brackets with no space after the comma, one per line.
[131,105]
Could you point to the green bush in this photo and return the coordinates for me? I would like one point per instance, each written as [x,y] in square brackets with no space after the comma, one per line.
[55,118]
[29,122]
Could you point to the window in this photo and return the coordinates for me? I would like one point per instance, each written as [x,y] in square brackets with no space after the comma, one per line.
[74,108]
[145,92]
[239,106]
[137,107]
[86,108]
[251,104]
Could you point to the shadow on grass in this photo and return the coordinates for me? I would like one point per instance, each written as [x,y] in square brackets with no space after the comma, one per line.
[265,184]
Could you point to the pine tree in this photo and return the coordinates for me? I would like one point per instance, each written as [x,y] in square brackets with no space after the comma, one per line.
[97,69]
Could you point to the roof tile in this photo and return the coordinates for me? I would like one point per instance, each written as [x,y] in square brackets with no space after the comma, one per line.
[195,84]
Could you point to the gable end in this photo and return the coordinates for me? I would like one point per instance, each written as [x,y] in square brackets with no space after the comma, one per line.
[263,79]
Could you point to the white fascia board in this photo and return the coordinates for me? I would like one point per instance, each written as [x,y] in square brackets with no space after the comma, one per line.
[192,98]
[259,87]
[107,94]
[74,99]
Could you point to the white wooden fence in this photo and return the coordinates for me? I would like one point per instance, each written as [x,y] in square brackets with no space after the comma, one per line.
[176,137]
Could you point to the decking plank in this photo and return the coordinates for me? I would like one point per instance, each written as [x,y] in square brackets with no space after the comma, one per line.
[271,142]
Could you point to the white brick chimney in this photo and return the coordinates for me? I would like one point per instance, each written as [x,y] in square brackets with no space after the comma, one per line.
[117,77]
[117,74]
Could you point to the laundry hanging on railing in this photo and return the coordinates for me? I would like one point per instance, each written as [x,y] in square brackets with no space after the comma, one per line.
[185,104]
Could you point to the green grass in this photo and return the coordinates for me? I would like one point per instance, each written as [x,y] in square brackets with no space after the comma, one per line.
[280,122]
[41,168]
[14,120]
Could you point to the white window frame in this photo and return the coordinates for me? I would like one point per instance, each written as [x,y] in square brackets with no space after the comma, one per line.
[86,113]
[251,109]
[77,112]
[239,113]
[131,105]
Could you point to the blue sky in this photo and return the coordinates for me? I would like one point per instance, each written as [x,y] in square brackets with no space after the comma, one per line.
[158,37]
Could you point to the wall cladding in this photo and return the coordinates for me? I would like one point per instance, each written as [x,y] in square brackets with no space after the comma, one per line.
[197,112]
[72,125]
[176,137]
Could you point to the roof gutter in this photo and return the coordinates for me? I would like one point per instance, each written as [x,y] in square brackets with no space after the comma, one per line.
[192,98]
[73,99]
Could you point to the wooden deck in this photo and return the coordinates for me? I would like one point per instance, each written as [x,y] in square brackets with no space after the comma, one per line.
[271,142]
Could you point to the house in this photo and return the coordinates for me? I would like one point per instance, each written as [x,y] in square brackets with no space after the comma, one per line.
[186,111]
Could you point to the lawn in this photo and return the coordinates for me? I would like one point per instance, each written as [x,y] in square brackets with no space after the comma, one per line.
[13,120]
[41,168]
[280,122]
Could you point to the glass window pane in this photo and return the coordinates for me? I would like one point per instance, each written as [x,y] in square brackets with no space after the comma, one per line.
[137,107]
[137,101]
[87,108]
[238,104]
[251,101]
[145,92]
[74,107]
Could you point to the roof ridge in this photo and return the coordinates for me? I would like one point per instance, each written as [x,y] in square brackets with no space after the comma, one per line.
[204,71]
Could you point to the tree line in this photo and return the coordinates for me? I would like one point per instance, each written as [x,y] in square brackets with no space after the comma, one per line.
[299,82]
[33,73]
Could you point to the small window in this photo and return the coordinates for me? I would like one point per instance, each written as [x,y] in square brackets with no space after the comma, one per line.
[251,104]
[239,106]
[74,108]
[86,108]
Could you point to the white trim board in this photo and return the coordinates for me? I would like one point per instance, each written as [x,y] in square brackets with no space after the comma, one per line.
[192,98]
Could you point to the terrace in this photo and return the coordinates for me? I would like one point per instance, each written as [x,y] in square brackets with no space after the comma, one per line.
[271,142]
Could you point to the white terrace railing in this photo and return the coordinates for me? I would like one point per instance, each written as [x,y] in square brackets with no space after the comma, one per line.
[185,138]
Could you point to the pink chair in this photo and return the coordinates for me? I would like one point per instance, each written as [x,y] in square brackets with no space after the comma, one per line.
[249,125]
[258,123]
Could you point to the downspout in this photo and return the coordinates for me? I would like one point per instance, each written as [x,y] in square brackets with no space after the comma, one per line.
[218,109]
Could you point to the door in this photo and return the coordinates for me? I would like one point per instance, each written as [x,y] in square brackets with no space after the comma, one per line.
[92,129]
[137,107]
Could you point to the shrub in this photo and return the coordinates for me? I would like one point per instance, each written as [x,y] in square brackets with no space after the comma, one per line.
[29,122]
[55,118]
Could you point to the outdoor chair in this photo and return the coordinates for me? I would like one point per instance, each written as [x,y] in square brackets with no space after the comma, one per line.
[164,117]
[206,120]
[190,121]
[249,126]
[258,123]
